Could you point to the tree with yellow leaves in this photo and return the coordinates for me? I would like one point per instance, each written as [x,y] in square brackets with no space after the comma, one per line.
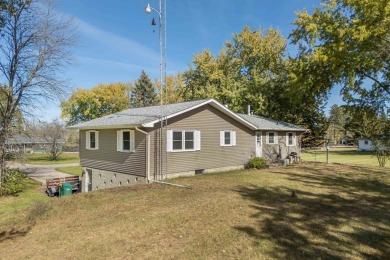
[88,104]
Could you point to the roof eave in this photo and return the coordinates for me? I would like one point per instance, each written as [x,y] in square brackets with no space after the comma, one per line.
[102,127]
[285,130]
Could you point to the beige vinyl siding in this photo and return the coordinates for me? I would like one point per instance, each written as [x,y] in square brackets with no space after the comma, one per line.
[209,121]
[271,151]
[108,158]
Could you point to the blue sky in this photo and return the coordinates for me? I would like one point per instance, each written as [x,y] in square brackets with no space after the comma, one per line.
[117,40]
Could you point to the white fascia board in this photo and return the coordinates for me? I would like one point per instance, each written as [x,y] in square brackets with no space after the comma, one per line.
[103,127]
[282,130]
[215,104]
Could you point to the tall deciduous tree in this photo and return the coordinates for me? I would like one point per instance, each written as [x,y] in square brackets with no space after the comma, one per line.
[34,48]
[88,104]
[253,70]
[347,42]
[242,72]
[173,89]
[144,93]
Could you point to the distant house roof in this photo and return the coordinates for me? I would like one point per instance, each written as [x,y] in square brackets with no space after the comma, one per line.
[148,116]
[263,123]
[21,139]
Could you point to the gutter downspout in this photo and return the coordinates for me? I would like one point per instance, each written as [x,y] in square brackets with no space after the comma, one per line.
[147,153]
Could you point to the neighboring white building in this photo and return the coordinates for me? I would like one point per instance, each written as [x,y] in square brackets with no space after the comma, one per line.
[365,144]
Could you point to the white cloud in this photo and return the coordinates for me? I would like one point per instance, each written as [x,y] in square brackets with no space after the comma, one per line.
[135,50]
[139,56]
[116,64]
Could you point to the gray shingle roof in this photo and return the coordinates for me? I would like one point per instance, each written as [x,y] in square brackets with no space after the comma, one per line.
[21,139]
[145,115]
[138,116]
[263,123]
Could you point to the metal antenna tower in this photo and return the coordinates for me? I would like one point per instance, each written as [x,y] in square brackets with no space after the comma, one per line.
[160,144]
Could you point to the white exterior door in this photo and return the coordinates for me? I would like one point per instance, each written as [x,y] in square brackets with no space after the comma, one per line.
[259,150]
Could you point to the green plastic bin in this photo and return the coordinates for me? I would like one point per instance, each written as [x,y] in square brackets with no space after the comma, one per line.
[65,189]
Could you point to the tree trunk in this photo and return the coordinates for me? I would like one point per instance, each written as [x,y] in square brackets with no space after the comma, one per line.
[4,128]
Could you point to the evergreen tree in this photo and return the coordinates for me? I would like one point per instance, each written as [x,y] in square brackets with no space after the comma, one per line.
[338,121]
[144,93]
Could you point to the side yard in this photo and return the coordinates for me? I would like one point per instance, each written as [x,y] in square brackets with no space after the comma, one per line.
[74,170]
[341,155]
[340,212]
[43,159]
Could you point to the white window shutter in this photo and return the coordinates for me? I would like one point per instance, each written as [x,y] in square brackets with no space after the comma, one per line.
[276,138]
[119,140]
[169,140]
[287,141]
[87,140]
[233,137]
[132,141]
[267,138]
[294,139]
[222,138]
[97,140]
[197,140]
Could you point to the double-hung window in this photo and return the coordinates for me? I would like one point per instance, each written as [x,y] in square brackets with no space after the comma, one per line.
[227,138]
[92,140]
[183,140]
[290,139]
[125,141]
[272,138]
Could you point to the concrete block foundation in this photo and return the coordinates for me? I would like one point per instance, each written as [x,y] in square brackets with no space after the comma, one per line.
[95,179]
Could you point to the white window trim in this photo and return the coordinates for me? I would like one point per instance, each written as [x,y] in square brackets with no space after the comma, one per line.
[119,141]
[233,137]
[88,140]
[275,138]
[294,139]
[170,141]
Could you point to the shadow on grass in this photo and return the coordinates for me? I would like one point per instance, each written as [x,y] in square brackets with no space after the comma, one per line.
[347,217]
[13,233]
[23,227]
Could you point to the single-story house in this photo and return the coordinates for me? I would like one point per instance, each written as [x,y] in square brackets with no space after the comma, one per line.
[200,136]
[27,143]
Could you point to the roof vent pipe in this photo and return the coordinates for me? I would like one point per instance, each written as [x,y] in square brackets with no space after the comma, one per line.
[249,110]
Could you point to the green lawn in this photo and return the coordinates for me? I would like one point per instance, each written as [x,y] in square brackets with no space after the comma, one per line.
[42,158]
[74,170]
[341,212]
[17,214]
[341,155]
